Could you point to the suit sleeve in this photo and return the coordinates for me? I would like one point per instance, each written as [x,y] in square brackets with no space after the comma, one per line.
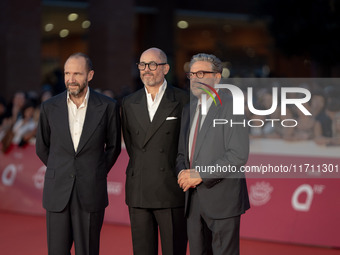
[126,134]
[181,160]
[113,136]
[43,136]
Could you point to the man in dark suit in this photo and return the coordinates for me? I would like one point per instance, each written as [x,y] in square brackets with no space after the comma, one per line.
[151,122]
[79,140]
[214,200]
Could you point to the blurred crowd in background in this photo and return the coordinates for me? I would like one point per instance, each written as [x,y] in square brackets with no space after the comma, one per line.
[323,126]
[19,117]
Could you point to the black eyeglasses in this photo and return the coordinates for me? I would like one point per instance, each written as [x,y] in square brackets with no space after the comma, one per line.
[199,74]
[152,65]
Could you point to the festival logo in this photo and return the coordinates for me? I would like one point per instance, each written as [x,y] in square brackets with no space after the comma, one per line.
[260,193]
[38,178]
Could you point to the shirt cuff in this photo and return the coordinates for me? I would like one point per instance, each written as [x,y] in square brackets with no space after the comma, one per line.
[180,173]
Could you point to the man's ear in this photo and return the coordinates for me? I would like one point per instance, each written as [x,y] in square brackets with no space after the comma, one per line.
[166,69]
[218,78]
[90,75]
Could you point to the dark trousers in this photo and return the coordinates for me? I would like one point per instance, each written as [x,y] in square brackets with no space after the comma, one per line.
[73,224]
[144,228]
[211,236]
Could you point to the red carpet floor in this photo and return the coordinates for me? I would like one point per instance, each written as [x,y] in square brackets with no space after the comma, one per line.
[26,235]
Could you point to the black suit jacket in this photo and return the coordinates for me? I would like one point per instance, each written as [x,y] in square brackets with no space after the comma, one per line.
[151,181]
[87,168]
[221,195]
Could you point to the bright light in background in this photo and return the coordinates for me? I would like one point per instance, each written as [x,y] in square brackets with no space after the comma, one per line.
[182,24]
[186,67]
[86,24]
[225,72]
[72,16]
[49,27]
[63,33]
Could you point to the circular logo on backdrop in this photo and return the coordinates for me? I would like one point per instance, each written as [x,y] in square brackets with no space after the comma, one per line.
[260,193]
[9,174]
[38,178]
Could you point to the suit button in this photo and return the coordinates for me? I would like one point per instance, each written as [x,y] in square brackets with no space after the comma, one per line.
[72,176]
[161,150]
[167,132]
[143,150]
[137,132]
[162,168]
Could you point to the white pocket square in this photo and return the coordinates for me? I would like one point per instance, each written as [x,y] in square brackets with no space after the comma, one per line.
[171,118]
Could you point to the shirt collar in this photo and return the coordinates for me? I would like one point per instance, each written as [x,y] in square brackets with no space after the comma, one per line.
[160,90]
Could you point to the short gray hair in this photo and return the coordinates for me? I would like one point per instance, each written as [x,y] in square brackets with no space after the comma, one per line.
[88,62]
[216,63]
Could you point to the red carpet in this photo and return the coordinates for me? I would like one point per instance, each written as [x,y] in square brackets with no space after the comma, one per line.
[26,235]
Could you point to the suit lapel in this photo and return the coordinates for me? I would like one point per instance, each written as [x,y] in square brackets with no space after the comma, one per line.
[62,121]
[94,113]
[189,117]
[192,111]
[166,106]
[206,125]
[140,110]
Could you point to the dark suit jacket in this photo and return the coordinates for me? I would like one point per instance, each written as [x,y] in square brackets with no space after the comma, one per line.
[151,181]
[221,195]
[87,168]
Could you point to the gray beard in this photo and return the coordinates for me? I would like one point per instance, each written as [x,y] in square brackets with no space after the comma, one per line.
[78,92]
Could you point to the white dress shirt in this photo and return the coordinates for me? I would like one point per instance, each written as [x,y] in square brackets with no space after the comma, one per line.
[153,104]
[76,118]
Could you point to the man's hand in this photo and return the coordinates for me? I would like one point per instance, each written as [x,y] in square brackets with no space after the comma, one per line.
[189,178]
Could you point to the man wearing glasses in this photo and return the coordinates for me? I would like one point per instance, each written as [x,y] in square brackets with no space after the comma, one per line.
[214,200]
[151,120]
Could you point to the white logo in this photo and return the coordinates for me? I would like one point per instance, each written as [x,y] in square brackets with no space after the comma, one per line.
[310,191]
[114,188]
[38,178]
[239,101]
[260,193]
[9,174]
